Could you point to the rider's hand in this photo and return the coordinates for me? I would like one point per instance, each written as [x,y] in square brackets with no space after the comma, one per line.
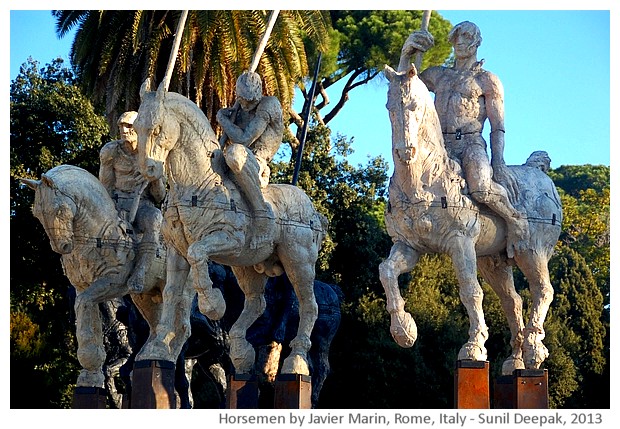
[420,40]
[503,176]
[223,114]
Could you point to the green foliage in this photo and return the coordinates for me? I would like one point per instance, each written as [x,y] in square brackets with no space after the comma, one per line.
[576,178]
[51,123]
[586,229]
[371,39]
[114,51]
[578,329]
[362,42]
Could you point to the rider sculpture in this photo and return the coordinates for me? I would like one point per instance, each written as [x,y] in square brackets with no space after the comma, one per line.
[135,198]
[254,137]
[466,96]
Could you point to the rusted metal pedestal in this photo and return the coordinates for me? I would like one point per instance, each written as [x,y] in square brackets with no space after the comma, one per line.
[242,392]
[152,385]
[531,388]
[504,392]
[526,388]
[89,397]
[471,384]
[293,391]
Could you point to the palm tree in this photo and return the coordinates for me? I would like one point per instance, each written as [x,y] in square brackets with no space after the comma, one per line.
[115,51]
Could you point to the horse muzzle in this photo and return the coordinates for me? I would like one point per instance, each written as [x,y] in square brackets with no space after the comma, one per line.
[152,169]
[63,247]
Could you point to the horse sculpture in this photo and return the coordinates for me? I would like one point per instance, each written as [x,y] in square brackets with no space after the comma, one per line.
[206,218]
[98,249]
[429,211]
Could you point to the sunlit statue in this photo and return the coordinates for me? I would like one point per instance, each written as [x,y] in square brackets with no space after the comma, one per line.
[443,198]
[133,195]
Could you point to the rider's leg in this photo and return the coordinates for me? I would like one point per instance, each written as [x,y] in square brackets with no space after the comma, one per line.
[246,169]
[148,221]
[479,173]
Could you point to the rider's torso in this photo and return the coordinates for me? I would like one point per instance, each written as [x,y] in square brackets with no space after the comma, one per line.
[459,100]
[127,178]
[267,144]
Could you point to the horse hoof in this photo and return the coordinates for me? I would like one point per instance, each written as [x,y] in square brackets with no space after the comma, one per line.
[511,364]
[295,364]
[403,329]
[472,351]
[212,304]
[154,350]
[90,379]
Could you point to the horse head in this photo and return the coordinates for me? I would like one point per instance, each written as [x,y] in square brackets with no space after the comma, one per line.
[406,104]
[167,121]
[157,135]
[55,210]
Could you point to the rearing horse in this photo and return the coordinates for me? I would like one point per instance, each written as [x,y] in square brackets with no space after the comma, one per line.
[429,211]
[206,218]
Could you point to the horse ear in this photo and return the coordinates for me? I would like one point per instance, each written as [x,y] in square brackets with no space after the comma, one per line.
[147,86]
[161,91]
[389,72]
[31,183]
[47,181]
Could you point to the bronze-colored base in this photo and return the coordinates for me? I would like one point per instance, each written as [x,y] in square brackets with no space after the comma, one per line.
[152,385]
[293,391]
[471,385]
[242,392]
[89,398]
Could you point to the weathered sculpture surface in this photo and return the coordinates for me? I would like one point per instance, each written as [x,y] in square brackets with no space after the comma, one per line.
[207,218]
[135,198]
[255,133]
[443,200]
[98,253]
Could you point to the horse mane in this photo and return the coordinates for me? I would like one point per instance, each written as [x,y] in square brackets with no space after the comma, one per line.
[202,127]
[79,182]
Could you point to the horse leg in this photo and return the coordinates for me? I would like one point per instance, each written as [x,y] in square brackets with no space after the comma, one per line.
[91,353]
[252,284]
[173,328]
[302,277]
[498,273]
[150,308]
[402,259]
[210,299]
[464,261]
[535,268]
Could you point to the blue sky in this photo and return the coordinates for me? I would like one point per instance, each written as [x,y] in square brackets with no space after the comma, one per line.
[554,65]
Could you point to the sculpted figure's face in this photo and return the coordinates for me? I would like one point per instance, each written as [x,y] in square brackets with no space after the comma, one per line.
[247,105]
[464,45]
[128,134]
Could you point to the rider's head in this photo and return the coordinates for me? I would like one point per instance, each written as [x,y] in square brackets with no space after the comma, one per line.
[249,89]
[125,127]
[466,30]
